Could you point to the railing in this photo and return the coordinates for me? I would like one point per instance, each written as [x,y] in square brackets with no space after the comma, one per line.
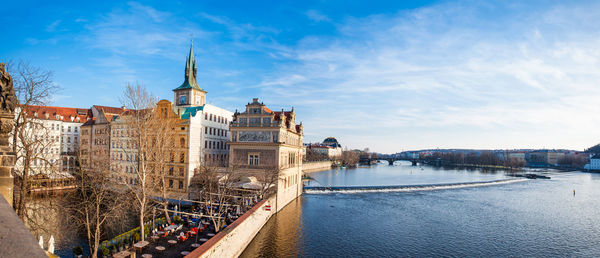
[238,124]
[48,185]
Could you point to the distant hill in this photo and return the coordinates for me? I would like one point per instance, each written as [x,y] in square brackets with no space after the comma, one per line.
[593,149]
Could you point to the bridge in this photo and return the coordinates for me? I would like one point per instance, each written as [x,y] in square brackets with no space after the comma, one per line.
[390,159]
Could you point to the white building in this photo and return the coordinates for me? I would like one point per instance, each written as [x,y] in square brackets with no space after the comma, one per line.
[594,163]
[53,136]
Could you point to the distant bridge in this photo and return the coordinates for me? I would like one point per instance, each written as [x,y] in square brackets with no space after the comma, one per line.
[390,160]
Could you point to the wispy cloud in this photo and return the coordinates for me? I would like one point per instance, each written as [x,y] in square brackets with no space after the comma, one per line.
[316,16]
[52,26]
[451,70]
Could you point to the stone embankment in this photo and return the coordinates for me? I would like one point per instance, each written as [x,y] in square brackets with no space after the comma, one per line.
[232,240]
[316,166]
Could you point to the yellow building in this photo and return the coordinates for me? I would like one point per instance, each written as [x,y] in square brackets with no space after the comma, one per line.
[262,139]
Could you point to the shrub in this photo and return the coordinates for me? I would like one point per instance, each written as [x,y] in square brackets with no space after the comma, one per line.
[77,250]
[105,251]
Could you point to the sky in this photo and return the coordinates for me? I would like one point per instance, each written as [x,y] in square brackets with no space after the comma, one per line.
[388,75]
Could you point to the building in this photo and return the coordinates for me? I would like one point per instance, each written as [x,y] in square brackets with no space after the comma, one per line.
[518,156]
[200,137]
[594,163]
[205,127]
[96,137]
[544,157]
[54,135]
[261,140]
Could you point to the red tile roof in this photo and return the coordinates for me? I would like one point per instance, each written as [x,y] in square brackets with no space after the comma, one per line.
[65,114]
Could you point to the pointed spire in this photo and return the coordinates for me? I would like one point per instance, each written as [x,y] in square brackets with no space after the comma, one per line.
[190,71]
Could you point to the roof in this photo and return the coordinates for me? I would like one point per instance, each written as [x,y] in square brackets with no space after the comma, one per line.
[91,121]
[191,112]
[597,156]
[110,110]
[65,114]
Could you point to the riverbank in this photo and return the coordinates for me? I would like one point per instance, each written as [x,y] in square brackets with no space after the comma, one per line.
[316,166]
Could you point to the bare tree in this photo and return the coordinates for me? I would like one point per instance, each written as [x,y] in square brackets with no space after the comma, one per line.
[93,204]
[30,141]
[139,120]
[217,190]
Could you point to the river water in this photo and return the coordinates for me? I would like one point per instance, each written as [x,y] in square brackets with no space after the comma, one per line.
[541,218]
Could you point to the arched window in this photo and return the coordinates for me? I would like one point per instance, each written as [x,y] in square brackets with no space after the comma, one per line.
[182,142]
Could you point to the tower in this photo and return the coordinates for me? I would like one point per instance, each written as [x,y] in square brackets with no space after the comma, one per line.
[189,94]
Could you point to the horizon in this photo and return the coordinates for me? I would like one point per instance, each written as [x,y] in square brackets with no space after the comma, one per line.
[388,76]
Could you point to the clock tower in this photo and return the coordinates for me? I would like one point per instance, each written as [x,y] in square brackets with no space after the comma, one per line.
[189,94]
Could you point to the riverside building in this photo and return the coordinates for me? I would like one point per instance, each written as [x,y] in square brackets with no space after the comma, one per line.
[53,134]
[201,135]
[263,140]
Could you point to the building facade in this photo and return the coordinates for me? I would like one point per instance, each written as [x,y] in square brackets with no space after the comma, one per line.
[53,134]
[95,143]
[262,139]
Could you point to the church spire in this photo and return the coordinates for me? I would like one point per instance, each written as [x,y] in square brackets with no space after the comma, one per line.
[190,71]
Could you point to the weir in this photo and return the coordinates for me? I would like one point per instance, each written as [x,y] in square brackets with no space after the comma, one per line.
[403,188]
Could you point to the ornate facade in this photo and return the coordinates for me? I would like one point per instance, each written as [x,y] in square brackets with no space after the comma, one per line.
[262,139]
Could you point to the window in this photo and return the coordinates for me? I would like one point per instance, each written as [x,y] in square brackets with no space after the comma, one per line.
[253,159]
[75,129]
[182,158]
[182,99]
[180,184]
[68,129]
[180,171]
[170,183]
[170,171]
[182,142]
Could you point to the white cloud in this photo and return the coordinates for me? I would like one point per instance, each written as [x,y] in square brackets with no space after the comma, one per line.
[451,70]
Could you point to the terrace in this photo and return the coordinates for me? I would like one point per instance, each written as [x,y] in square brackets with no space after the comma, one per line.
[192,225]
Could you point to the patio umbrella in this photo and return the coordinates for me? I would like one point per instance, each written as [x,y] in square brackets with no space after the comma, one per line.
[51,244]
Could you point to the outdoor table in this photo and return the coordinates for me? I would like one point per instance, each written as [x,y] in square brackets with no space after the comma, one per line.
[154,237]
[122,254]
[172,242]
[195,245]
[203,239]
[160,232]
[160,248]
[171,228]
[185,253]
[210,234]
[140,245]
[146,255]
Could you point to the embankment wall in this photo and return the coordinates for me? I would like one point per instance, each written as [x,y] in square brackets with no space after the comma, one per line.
[309,167]
[232,240]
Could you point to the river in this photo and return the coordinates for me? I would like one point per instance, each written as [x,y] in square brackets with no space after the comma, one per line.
[542,218]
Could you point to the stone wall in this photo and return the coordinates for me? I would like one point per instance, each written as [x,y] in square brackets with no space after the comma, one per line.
[309,167]
[231,241]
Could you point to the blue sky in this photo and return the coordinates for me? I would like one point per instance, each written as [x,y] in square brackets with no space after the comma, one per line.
[389,75]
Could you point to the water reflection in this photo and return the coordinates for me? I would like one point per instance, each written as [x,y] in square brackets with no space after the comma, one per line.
[281,235]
